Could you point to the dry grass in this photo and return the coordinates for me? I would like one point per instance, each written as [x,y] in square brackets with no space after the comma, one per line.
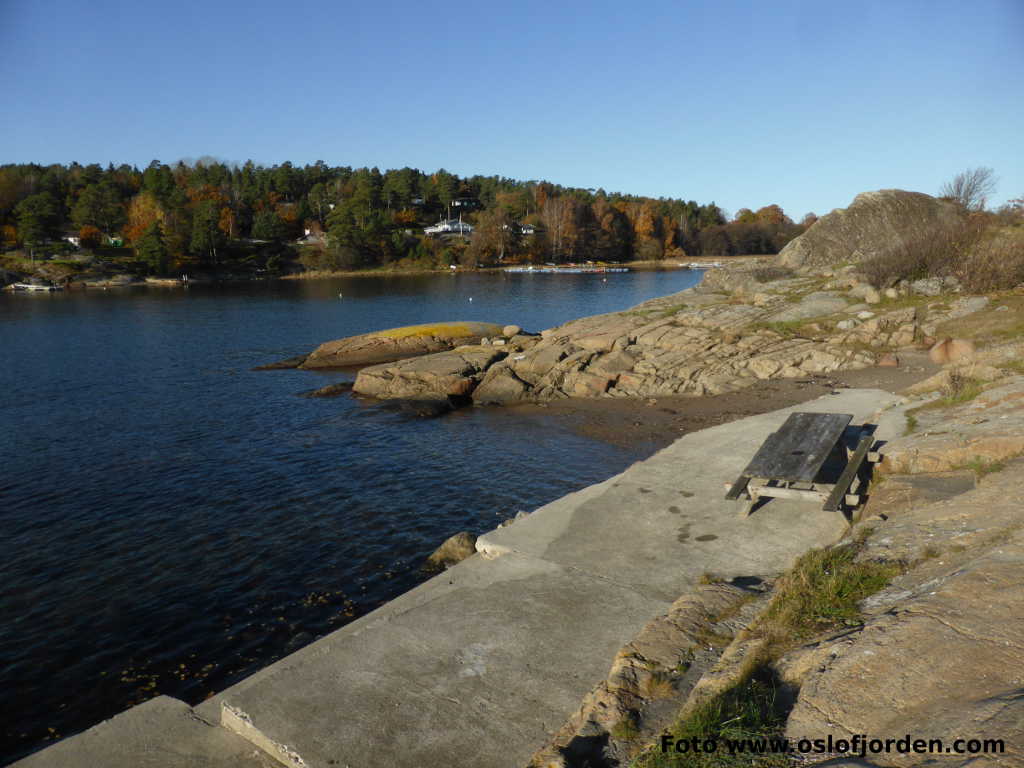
[961,388]
[991,324]
[935,253]
[821,592]
[658,686]
[995,263]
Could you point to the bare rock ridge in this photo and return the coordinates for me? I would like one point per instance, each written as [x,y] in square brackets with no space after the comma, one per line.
[873,223]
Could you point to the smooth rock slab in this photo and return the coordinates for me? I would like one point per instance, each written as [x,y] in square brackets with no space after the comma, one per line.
[435,376]
[398,343]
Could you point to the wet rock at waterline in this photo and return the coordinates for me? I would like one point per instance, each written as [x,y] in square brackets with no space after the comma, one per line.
[280,365]
[454,550]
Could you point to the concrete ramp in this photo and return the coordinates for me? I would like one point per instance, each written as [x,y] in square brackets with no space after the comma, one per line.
[478,666]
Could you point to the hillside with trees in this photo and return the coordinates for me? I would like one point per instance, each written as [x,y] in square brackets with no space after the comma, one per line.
[209,216]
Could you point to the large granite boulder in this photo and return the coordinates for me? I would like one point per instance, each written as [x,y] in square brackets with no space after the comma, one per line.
[874,223]
[398,344]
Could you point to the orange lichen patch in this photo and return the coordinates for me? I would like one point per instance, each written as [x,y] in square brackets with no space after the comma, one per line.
[444,330]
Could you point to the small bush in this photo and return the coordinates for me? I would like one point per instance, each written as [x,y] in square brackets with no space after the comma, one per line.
[961,388]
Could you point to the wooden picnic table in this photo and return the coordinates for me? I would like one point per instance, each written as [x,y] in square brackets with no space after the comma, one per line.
[789,462]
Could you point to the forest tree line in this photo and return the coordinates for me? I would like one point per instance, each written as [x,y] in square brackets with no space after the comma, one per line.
[212,215]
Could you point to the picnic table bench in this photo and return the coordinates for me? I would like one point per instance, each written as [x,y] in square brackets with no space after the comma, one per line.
[801,461]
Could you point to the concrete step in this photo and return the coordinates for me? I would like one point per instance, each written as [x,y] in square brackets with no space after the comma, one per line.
[160,733]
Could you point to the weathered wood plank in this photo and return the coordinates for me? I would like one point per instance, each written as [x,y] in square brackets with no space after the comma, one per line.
[846,479]
[790,493]
[797,450]
[737,488]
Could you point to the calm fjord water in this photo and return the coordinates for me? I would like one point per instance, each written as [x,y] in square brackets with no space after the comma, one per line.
[173,521]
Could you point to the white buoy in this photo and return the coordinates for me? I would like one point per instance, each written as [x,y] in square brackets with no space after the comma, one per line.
[470,298]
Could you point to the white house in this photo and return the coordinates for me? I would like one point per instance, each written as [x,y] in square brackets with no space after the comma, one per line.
[451,226]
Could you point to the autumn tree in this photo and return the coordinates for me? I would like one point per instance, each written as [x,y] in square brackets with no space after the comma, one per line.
[613,235]
[90,236]
[557,217]
[496,235]
[144,210]
[772,215]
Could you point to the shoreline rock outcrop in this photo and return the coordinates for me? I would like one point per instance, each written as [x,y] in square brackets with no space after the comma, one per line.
[398,344]
[389,345]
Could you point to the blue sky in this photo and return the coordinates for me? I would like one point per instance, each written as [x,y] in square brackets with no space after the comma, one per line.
[746,103]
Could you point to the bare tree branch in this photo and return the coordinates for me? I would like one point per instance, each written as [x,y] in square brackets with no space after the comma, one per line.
[971,188]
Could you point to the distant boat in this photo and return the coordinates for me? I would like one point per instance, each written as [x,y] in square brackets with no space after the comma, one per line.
[36,287]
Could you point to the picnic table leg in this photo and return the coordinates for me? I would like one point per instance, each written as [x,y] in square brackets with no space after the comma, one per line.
[835,499]
[748,508]
[739,487]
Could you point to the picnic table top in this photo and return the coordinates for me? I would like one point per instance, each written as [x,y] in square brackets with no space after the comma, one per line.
[797,450]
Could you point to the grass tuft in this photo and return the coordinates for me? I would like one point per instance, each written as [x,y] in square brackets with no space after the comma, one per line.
[911,423]
[658,686]
[748,710]
[822,592]
[982,466]
[961,388]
